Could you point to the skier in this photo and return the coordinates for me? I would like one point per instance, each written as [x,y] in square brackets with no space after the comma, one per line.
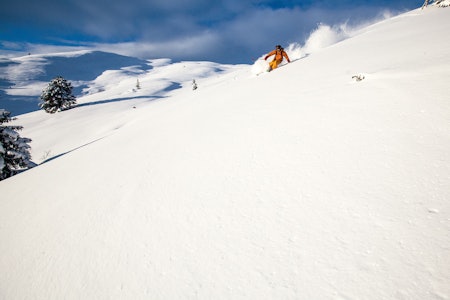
[279,54]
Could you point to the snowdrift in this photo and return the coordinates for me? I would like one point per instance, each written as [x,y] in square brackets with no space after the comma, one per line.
[302,183]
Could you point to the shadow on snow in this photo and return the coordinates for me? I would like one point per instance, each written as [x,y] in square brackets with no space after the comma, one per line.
[151,98]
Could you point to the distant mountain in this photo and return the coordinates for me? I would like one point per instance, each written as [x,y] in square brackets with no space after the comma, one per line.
[439,3]
[22,79]
[442,3]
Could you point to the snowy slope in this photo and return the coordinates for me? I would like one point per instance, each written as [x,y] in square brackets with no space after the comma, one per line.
[298,184]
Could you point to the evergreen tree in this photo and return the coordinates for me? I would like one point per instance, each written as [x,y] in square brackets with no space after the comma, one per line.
[14,150]
[57,96]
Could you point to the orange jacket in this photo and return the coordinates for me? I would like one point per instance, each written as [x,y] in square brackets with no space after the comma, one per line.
[278,55]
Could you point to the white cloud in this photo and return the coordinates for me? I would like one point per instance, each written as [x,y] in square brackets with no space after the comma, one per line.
[239,39]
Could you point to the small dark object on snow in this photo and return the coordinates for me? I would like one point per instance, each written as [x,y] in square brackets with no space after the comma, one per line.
[358,77]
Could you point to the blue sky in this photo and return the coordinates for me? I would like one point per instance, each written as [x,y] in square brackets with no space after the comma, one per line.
[232,31]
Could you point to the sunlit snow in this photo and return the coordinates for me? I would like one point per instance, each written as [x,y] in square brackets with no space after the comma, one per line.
[301,183]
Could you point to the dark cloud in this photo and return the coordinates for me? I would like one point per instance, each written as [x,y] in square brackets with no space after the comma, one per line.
[225,31]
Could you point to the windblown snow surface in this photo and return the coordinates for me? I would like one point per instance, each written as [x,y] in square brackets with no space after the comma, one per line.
[302,183]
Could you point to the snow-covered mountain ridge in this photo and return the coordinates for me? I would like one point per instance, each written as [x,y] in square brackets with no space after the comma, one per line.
[302,183]
[24,78]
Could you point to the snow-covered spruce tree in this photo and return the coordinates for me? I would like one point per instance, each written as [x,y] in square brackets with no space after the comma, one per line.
[14,150]
[57,96]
